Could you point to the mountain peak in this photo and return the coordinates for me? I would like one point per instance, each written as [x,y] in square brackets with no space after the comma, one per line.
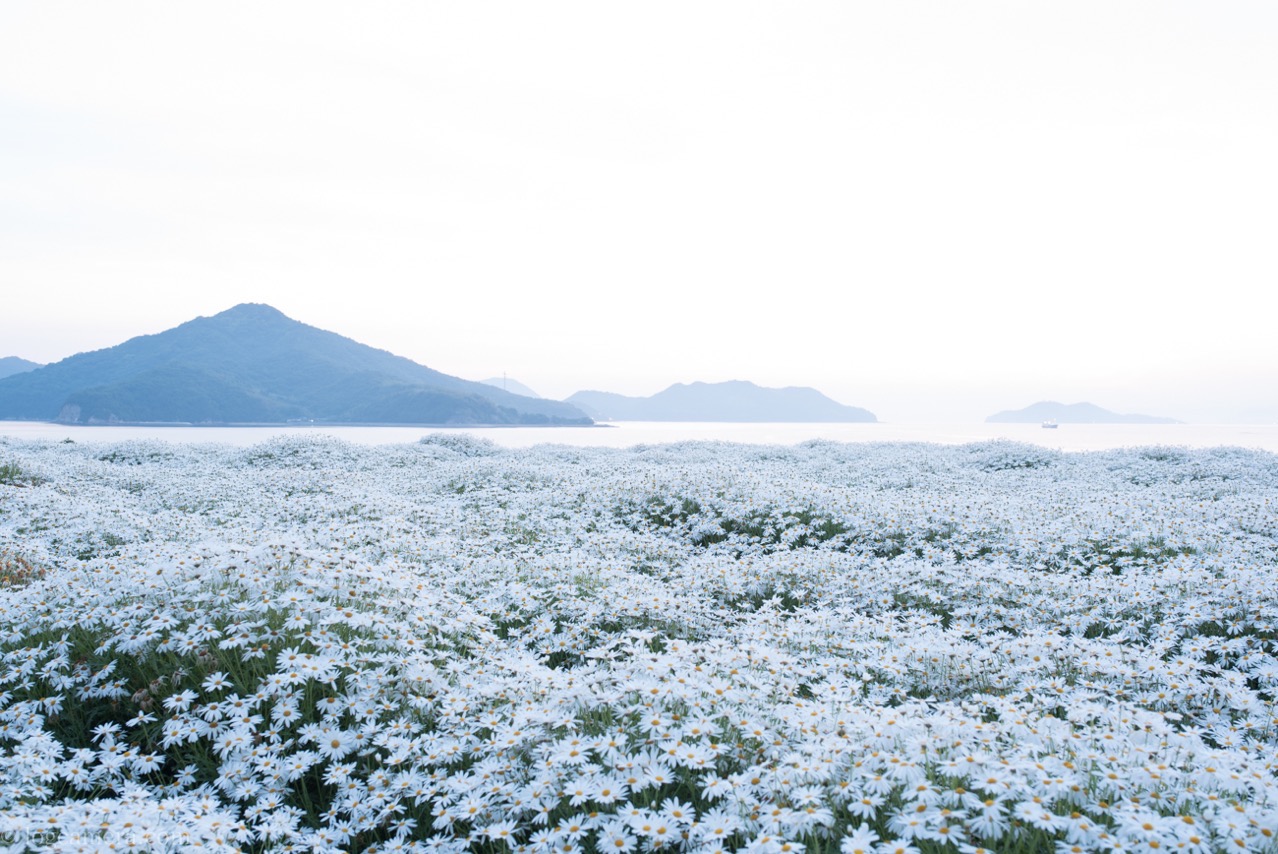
[253,364]
[10,365]
[256,310]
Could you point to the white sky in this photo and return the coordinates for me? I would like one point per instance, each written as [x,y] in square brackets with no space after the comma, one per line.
[935,210]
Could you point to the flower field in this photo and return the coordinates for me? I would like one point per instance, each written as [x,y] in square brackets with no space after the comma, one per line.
[310,645]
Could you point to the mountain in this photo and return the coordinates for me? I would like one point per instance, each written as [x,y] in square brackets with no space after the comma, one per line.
[1072,413]
[728,401]
[512,386]
[10,365]
[251,364]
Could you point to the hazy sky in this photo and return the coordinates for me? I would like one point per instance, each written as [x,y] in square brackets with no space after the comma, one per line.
[935,210]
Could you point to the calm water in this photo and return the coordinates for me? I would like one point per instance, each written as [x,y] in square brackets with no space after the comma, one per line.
[1068,437]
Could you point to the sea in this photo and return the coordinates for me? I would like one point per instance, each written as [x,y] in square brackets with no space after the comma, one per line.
[1066,437]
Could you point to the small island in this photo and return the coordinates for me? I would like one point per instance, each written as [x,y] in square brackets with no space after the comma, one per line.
[1049,411]
[736,400]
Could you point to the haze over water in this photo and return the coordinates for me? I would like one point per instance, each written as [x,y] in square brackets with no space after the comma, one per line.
[1068,437]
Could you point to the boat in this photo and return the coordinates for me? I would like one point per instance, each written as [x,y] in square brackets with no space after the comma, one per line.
[1050,425]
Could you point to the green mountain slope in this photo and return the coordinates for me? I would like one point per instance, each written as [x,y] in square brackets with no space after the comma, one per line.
[252,364]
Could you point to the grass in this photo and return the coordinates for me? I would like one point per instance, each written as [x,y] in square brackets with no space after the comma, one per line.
[12,474]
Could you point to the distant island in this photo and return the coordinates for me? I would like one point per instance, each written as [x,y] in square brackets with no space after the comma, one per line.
[10,365]
[1072,413]
[512,386]
[736,400]
[253,365]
